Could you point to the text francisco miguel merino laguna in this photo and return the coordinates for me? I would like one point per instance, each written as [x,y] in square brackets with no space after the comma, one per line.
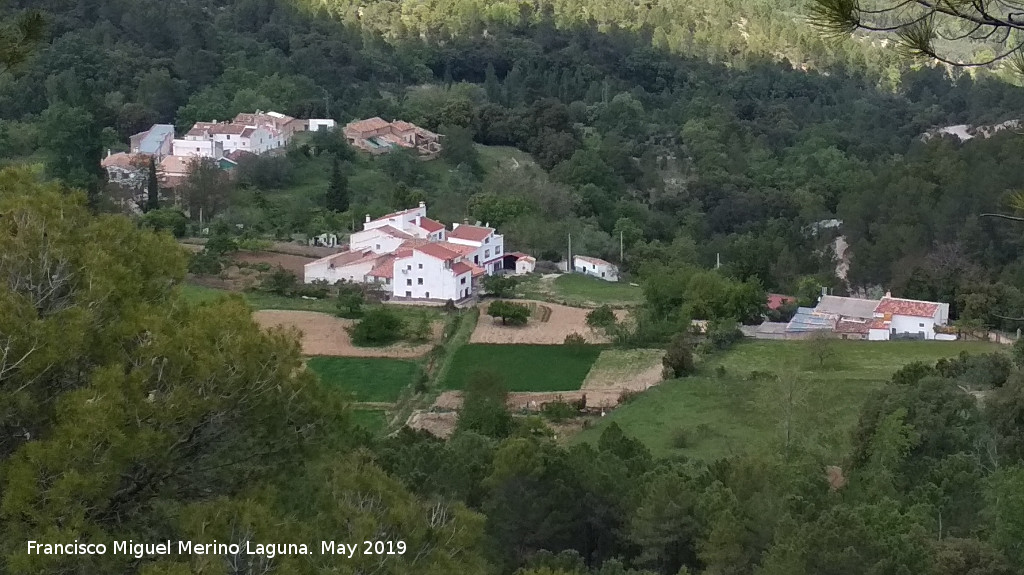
[269,550]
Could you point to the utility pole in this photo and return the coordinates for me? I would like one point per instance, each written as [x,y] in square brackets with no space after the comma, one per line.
[718,261]
[621,250]
[568,262]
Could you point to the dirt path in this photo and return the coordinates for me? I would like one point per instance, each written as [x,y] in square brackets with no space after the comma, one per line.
[324,334]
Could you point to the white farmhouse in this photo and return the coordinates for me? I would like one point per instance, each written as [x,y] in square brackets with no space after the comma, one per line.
[433,272]
[898,316]
[316,125]
[350,266]
[488,245]
[386,233]
[196,147]
[595,267]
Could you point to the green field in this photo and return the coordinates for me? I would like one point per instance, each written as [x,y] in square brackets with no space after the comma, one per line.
[367,379]
[581,290]
[373,420]
[713,415]
[524,367]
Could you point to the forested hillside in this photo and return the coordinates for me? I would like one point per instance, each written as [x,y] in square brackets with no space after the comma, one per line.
[634,140]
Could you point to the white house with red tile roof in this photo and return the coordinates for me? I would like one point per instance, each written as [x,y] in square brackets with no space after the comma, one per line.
[488,245]
[433,271]
[899,316]
[595,267]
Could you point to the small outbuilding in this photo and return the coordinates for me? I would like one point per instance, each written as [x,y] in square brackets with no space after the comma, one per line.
[595,267]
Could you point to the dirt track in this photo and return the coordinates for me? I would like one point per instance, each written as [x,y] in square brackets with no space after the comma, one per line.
[323,334]
[563,321]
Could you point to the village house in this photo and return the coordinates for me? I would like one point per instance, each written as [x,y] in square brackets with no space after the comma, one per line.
[130,171]
[595,267]
[417,258]
[172,171]
[158,141]
[908,318]
[280,127]
[319,125]
[488,246]
[868,319]
[378,136]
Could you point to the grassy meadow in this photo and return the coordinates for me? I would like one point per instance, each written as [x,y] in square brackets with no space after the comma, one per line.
[749,397]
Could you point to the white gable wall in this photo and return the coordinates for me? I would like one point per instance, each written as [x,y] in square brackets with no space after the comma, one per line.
[377,240]
[431,281]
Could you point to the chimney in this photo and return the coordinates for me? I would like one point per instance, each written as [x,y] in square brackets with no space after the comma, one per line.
[423,204]
[367,218]
[888,294]
[487,225]
[108,152]
[455,226]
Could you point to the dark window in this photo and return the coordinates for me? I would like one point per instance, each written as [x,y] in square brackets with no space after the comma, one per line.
[419,281]
[408,282]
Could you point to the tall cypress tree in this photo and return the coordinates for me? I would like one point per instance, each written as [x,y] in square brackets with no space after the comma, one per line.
[492,86]
[152,188]
[337,189]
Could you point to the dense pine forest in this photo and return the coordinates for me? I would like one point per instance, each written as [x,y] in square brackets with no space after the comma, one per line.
[682,133]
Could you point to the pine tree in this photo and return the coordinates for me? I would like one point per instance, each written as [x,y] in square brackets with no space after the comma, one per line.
[492,86]
[152,188]
[337,189]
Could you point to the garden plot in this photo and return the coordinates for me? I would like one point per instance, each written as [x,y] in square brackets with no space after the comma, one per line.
[548,324]
[324,334]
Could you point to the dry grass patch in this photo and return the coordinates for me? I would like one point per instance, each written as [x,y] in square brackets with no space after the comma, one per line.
[324,334]
[560,321]
[625,370]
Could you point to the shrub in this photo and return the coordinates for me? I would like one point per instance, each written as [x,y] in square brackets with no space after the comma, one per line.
[723,333]
[420,330]
[681,438]
[678,360]
[449,306]
[720,371]
[266,172]
[280,282]
[601,317]
[501,286]
[166,219]
[511,313]
[350,301]
[220,244]
[254,245]
[484,408]
[558,411]
[574,339]
[204,263]
[309,290]
[378,327]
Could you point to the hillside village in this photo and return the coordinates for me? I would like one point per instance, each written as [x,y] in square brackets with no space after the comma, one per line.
[510,288]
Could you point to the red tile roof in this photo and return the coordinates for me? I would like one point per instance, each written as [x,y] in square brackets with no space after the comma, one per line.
[438,251]
[401,126]
[461,268]
[368,125]
[595,261]
[385,267]
[776,300]
[471,233]
[852,326]
[909,307]
[879,323]
[430,225]
[394,232]
[126,161]
[457,248]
